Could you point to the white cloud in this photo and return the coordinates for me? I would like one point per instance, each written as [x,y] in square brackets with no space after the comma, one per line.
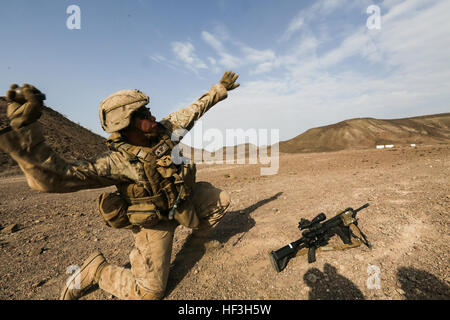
[399,71]
[294,26]
[306,16]
[225,58]
[212,61]
[261,61]
[212,41]
[185,52]
[161,59]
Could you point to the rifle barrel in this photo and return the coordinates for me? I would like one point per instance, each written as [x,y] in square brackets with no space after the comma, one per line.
[362,207]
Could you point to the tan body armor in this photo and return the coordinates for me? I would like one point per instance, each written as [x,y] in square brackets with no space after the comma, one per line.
[162,187]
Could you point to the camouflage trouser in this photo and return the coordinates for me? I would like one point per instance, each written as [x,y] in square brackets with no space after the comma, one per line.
[150,259]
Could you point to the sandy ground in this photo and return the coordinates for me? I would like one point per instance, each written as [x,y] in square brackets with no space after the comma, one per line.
[407,222]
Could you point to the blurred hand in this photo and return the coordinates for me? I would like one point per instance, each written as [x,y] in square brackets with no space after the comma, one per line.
[228,80]
[24,105]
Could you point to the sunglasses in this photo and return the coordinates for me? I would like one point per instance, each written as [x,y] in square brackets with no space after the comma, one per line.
[143,113]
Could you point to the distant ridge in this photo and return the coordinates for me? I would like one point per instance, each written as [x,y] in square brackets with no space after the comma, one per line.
[74,142]
[67,138]
[363,133]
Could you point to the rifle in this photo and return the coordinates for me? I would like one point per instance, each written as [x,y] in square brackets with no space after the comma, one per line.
[316,235]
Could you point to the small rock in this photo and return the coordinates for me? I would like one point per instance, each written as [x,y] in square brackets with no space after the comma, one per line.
[38,284]
[311,278]
[359,257]
[275,210]
[10,228]
[400,291]
[36,252]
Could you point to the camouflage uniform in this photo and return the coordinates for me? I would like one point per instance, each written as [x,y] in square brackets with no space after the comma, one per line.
[150,259]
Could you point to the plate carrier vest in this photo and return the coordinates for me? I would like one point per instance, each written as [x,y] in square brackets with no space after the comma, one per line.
[163,190]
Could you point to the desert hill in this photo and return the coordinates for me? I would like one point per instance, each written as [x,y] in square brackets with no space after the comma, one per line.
[240,151]
[67,138]
[360,133]
[72,141]
[368,132]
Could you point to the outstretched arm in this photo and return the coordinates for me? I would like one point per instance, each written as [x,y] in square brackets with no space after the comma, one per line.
[186,118]
[44,169]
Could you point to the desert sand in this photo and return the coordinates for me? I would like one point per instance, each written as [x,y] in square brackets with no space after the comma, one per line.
[407,222]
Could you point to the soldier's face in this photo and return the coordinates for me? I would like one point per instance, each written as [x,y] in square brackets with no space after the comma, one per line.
[144,121]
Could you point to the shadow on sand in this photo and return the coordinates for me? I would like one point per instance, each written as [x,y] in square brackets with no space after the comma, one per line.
[330,285]
[234,222]
[416,285]
[421,285]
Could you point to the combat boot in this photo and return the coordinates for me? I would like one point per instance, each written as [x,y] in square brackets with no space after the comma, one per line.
[84,279]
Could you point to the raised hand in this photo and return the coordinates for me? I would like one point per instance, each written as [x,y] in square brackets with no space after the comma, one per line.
[24,105]
[228,80]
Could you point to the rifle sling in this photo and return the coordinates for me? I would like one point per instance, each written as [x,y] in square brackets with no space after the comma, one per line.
[354,244]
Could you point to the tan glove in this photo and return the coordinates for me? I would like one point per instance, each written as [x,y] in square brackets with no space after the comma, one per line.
[228,80]
[25,108]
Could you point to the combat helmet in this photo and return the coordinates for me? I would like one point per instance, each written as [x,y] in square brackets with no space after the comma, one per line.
[115,111]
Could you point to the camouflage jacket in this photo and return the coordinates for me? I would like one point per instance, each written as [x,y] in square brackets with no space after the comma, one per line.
[47,171]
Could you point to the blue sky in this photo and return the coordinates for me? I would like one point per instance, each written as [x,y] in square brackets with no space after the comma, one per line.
[302,64]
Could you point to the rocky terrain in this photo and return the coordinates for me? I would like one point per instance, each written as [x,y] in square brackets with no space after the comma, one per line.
[407,222]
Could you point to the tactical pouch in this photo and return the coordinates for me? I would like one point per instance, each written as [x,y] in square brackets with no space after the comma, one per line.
[189,172]
[169,191]
[113,209]
[165,166]
[185,214]
[144,214]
